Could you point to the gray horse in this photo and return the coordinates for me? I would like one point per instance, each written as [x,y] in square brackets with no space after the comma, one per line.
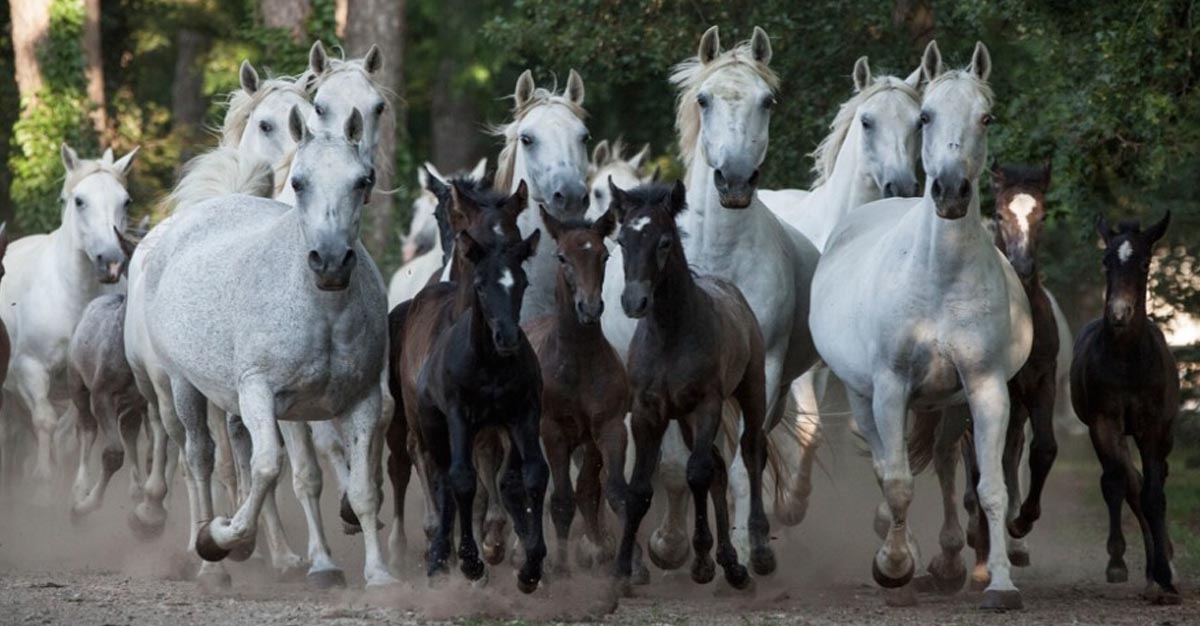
[258,309]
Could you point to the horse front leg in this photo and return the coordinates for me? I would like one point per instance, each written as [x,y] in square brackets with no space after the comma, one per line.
[648,426]
[1154,451]
[753,447]
[947,570]
[791,502]
[463,481]
[776,402]
[148,518]
[366,441]
[895,562]
[191,413]
[1014,448]
[987,395]
[399,467]
[534,477]
[33,385]
[87,430]
[668,544]
[489,456]
[562,500]
[130,417]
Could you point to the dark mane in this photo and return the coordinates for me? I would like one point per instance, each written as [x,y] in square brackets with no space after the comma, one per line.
[650,194]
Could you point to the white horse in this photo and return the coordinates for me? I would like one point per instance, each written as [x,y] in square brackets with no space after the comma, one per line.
[298,335]
[255,143]
[870,153]
[50,279]
[416,272]
[545,145]
[608,161]
[914,307]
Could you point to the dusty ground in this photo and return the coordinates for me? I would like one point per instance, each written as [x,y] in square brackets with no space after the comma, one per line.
[53,573]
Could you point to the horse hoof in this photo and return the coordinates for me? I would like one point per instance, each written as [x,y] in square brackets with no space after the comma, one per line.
[939,581]
[1002,600]
[641,575]
[667,555]
[738,577]
[327,578]
[207,547]
[900,597]
[1166,598]
[482,581]
[145,530]
[242,551]
[493,554]
[1116,574]
[527,584]
[1019,559]
[762,559]
[216,580]
[703,570]
[888,582]
[471,567]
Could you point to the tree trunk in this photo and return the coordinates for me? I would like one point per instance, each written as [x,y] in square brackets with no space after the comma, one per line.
[381,22]
[187,92]
[95,66]
[340,9]
[917,17]
[30,25]
[289,15]
[453,137]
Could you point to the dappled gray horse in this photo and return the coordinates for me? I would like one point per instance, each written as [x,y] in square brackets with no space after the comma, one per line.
[259,310]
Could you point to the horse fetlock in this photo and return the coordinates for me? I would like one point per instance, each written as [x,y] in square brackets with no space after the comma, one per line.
[892,568]
[762,559]
[980,577]
[1018,553]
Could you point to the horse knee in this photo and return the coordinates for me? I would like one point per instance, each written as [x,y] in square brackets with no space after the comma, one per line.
[699,471]
[1043,452]
[112,458]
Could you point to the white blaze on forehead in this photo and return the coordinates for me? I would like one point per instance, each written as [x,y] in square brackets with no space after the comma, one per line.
[1022,206]
[587,245]
[506,280]
[499,231]
[638,224]
[1125,251]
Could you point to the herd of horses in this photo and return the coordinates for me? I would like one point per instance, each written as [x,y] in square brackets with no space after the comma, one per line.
[561,318]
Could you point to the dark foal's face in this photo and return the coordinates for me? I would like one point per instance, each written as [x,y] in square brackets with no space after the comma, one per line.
[1127,255]
[499,285]
[1020,215]
[647,237]
[487,216]
[582,256]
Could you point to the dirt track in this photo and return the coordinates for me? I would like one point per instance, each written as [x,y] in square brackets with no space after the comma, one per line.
[52,573]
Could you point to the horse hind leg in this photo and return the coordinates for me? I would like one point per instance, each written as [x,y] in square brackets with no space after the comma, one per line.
[191,410]
[669,548]
[792,494]
[753,450]
[489,457]
[88,429]
[129,422]
[1043,450]
[562,499]
[148,517]
[947,571]
[307,483]
[399,467]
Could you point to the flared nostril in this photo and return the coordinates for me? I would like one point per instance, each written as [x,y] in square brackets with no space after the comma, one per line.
[753,182]
[889,190]
[964,189]
[937,188]
[719,177]
[349,258]
[314,261]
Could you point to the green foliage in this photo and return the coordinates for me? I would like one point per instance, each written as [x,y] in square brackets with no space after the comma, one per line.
[58,113]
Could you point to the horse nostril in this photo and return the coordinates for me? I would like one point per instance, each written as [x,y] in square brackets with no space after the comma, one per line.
[719,177]
[937,188]
[889,190]
[314,260]
[350,258]
[964,189]
[753,182]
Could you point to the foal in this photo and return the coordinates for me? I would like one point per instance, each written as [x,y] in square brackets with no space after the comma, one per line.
[1124,382]
[585,392]
[697,345]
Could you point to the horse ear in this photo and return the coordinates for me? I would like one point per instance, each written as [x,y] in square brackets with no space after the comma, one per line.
[1103,230]
[605,225]
[373,61]
[126,161]
[678,198]
[470,248]
[760,46]
[432,182]
[296,125]
[710,46]
[127,243]
[914,80]
[528,247]
[981,62]
[248,77]
[524,90]
[480,169]
[575,91]
[318,61]
[553,226]
[862,74]
[931,61]
[618,199]
[462,209]
[354,126]
[640,157]
[600,153]
[518,200]
[1158,229]
[70,159]
[107,157]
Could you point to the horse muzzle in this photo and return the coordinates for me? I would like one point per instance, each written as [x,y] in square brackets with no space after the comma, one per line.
[109,272]
[636,299]
[333,269]
[507,343]
[589,311]
[951,196]
[735,191]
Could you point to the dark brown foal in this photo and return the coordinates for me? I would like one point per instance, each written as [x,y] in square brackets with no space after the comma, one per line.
[1125,383]
[585,392]
[697,345]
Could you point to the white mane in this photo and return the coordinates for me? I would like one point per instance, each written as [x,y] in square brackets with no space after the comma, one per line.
[240,105]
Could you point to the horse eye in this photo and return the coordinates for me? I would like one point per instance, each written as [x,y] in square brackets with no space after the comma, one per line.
[128,202]
[585,138]
[702,100]
[924,119]
[297,185]
[664,243]
[526,140]
[265,127]
[78,202]
[379,108]
[987,119]
[320,110]
[866,124]
[597,194]
[768,103]
[562,259]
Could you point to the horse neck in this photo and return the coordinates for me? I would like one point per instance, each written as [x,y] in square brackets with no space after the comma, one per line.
[714,233]
[567,327]
[72,264]
[675,295]
[848,186]
[946,247]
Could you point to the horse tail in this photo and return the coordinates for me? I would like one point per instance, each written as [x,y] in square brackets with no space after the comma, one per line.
[220,172]
[922,439]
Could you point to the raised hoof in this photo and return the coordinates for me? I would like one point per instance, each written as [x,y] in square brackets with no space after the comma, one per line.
[1020,527]
[216,580]
[888,582]
[145,530]
[762,559]
[327,579]
[668,556]
[703,570]
[493,554]
[900,597]
[241,552]
[738,577]
[1019,558]
[1116,574]
[997,600]
[207,547]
